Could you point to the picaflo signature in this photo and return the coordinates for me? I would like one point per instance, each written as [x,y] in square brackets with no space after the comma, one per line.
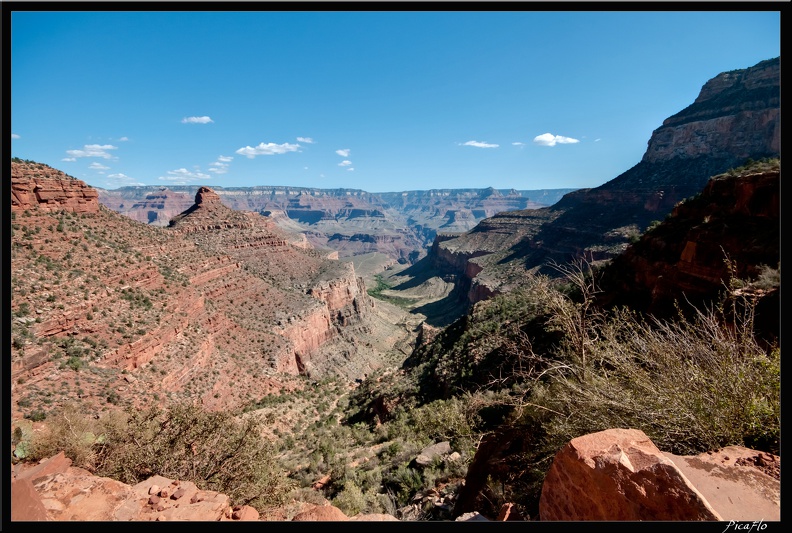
[745,527]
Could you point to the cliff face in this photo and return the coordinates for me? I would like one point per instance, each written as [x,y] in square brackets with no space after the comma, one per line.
[220,308]
[735,117]
[34,185]
[736,114]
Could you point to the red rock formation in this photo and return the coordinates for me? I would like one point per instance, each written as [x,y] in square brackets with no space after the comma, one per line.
[736,217]
[56,491]
[35,186]
[735,113]
[321,513]
[208,310]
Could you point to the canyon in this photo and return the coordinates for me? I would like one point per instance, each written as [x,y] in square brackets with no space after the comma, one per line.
[400,225]
[250,300]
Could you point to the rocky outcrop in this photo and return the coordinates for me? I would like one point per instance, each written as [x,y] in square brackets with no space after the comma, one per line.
[54,490]
[735,114]
[208,214]
[684,258]
[619,474]
[37,186]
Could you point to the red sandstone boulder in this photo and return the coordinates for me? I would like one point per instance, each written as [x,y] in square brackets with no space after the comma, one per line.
[741,484]
[321,513]
[619,474]
[374,517]
[26,503]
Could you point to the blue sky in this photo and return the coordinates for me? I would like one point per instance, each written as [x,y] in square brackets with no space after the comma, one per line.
[380,101]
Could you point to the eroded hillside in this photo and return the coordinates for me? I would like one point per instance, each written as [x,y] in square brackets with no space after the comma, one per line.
[221,308]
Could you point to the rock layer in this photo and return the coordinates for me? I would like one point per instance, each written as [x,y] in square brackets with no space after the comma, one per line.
[34,185]
[220,308]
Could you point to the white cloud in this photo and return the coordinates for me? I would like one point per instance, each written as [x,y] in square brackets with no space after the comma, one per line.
[548,139]
[93,150]
[182,176]
[479,144]
[351,169]
[124,139]
[306,140]
[196,120]
[518,144]
[120,180]
[221,165]
[345,163]
[597,140]
[69,159]
[344,153]
[267,149]
[218,167]
[14,136]
[97,166]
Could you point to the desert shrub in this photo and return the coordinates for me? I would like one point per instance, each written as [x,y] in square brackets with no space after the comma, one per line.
[454,420]
[214,450]
[696,383]
[351,499]
[768,278]
[403,483]
[70,431]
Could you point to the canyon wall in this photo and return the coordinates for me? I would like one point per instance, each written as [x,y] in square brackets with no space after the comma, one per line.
[736,117]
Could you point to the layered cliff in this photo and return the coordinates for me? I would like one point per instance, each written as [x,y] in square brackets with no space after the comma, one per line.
[349,221]
[730,230]
[37,186]
[735,117]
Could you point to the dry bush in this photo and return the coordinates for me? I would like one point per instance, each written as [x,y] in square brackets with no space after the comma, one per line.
[691,385]
[216,451]
[69,431]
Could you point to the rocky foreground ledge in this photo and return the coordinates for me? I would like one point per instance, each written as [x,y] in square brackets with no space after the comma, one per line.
[617,474]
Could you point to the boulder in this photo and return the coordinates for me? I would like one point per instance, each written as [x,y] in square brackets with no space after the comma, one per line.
[321,513]
[741,484]
[430,453]
[26,503]
[374,517]
[619,474]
